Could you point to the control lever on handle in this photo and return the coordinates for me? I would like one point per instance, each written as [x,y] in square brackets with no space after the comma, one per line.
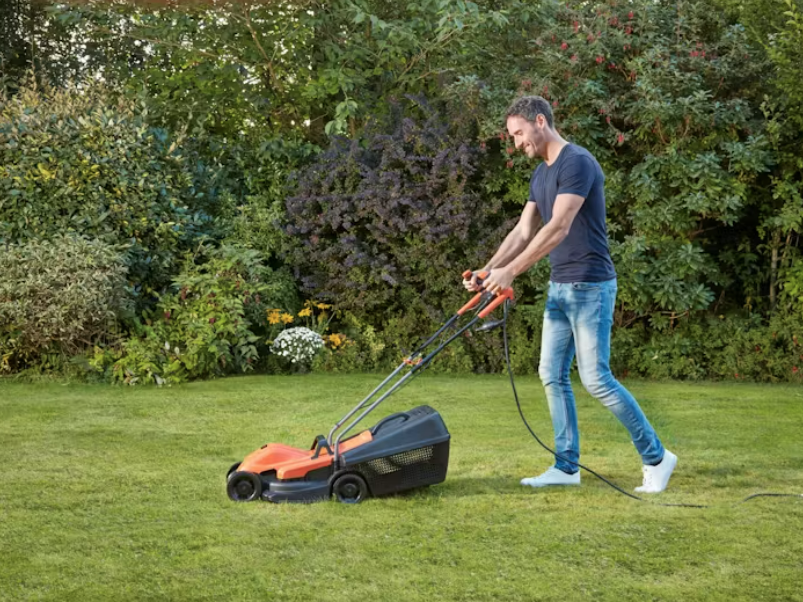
[500,297]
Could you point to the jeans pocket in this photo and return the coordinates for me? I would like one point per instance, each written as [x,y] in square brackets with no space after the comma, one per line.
[586,286]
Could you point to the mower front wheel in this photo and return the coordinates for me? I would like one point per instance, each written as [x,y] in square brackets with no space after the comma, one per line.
[244,486]
[350,488]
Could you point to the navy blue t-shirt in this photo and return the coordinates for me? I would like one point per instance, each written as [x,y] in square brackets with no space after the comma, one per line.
[583,256]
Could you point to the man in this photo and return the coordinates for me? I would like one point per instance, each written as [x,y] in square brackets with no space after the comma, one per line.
[565,219]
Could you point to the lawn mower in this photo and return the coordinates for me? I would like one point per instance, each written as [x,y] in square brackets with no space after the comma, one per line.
[402,451]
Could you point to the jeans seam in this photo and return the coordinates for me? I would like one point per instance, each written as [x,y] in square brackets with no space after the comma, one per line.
[597,335]
[563,398]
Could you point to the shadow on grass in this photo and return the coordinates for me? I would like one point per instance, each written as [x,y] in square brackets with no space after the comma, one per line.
[459,487]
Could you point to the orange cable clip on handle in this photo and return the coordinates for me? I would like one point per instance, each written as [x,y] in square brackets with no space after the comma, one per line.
[500,298]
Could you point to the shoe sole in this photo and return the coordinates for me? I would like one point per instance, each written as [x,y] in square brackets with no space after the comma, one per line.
[549,485]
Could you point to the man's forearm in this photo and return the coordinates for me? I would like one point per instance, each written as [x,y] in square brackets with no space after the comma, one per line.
[542,243]
[510,248]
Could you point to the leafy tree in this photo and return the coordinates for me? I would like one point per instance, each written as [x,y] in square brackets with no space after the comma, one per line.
[665,96]
[778,37]
[312,66]
[34,43]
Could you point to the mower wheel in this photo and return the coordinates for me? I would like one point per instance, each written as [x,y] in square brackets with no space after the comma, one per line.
[244,486]
[350,488]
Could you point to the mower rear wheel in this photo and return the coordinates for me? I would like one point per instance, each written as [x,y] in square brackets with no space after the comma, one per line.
[244,486]
[350,488]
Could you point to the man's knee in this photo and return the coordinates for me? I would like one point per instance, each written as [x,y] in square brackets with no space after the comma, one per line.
[549,374]
[598,385]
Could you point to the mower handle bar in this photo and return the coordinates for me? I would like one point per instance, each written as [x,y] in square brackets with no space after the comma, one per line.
[484,301]
[408,361]
[423,363]
[500,297]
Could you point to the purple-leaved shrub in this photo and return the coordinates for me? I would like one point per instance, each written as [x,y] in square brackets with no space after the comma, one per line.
[388,222]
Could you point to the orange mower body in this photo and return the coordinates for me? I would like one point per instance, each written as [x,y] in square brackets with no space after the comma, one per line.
[402,451]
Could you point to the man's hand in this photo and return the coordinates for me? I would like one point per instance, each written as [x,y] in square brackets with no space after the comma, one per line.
[499,279]
[471,285]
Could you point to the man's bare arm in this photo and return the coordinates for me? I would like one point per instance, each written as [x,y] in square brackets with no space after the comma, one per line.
[518,238]
[547,238]
[550,236]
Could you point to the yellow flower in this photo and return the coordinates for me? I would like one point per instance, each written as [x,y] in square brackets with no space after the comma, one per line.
[305,312]
[322,306]
[273,316]
[336,340]
[286,318]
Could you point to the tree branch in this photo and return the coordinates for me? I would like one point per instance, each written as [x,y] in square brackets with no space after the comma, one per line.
[108,31]
[268,61]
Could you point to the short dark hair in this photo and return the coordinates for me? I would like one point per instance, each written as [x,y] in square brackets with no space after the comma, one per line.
[530,107]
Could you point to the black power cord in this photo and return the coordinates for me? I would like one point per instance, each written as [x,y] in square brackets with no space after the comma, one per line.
[614,485]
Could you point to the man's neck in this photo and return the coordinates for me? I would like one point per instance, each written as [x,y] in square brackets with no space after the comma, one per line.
[553,148]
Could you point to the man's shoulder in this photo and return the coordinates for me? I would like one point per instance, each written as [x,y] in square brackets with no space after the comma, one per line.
[577,152]
[578,161]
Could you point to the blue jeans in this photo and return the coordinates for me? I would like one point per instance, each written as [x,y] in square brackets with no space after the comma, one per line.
[578,319]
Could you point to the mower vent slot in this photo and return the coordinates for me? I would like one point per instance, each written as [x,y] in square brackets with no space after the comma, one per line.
[382,466]
[407,469]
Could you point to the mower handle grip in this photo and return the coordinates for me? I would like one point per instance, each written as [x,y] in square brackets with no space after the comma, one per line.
[476,298]
[482,275]
[500,297]
[387,419]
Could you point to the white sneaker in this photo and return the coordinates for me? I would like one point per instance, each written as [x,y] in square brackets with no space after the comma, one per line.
[656,477]
[553,476]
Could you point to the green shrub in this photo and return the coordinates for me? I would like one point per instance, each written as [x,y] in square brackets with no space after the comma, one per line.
[58,297]
[88,162]
[723,347]
[264,166]
[211,322]
[792,288]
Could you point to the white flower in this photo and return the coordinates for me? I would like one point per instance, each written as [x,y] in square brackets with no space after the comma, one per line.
[298,344]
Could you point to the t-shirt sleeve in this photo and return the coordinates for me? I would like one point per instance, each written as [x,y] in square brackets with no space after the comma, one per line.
[576,176]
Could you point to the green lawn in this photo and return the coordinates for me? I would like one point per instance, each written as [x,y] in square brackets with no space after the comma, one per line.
[119,494]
